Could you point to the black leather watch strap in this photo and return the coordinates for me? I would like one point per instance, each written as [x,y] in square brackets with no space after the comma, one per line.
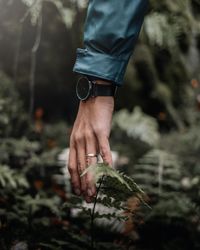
[103,89]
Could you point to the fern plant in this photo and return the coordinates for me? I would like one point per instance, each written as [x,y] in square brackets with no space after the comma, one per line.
[12,179]
[158,172]
[114,189]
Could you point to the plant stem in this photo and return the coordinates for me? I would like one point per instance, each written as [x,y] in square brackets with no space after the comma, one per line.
[93,211]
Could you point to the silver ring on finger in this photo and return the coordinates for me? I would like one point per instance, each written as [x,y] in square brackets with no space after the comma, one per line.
[91,155]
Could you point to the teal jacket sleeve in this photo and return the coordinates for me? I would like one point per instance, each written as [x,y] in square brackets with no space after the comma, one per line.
[111,31]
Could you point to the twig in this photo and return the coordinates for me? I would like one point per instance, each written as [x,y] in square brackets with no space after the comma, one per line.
[28,11]
[33,64]
[16,59]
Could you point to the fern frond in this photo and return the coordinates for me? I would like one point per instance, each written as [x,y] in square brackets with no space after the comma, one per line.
[116,187]
[137,126]
[10,178]
[102,169]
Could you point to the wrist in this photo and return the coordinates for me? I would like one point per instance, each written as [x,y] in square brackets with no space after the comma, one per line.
[103,104]
[103,82]
[99,80]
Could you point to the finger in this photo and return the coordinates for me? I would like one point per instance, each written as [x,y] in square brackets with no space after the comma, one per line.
[104,148]
[91,148]
[72,167]
[81,164]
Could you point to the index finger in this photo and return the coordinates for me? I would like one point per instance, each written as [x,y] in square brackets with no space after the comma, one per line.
[104,148]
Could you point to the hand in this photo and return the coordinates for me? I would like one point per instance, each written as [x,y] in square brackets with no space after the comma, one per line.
[90,134]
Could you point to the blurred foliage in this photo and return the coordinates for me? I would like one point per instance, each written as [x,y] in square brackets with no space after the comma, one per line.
[27,197]
[8,112]
[137,125]
[169,173]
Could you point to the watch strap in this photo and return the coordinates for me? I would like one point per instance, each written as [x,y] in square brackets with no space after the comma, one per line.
[103,89]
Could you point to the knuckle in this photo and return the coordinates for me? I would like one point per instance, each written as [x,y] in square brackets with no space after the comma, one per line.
[80,165]
[71,141]
[88,134]
[71,169]
[105,159]
[81,170]
[83,187]
[78,137]
[106,156]
[100,132]
[103,150]
[88,180]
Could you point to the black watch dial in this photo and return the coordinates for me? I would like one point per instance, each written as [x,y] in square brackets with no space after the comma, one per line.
[83,88]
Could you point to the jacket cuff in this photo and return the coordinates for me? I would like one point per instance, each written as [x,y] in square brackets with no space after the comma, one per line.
[100,65]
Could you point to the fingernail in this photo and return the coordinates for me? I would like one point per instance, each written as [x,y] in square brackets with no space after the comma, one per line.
[89,192]
[77,191]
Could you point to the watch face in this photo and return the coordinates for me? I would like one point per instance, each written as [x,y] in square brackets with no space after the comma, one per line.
[83,88]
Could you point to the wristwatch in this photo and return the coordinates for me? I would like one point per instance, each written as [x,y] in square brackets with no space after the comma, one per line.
[86,88]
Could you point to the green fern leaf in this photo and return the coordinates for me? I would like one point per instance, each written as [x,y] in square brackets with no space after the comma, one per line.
[102,169]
